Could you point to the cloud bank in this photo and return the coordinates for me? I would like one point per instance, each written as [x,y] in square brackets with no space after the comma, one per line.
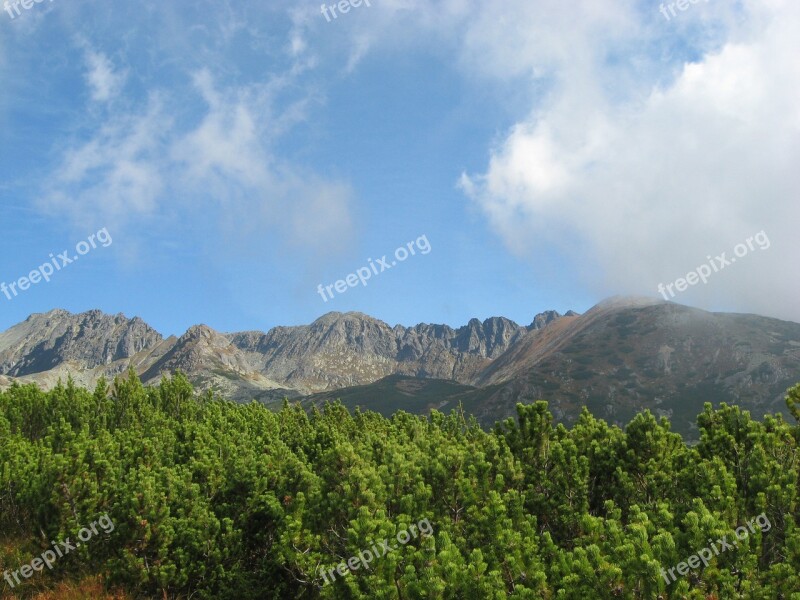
[641,185]
[648,143]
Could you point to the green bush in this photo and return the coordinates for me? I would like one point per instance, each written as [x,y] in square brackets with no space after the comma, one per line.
[212,499]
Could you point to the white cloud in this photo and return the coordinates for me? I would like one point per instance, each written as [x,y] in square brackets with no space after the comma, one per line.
[226,142]
[644,184]
[104,81]
[648,144]
[139,169]
[638,163]
[116,175]
[229,153]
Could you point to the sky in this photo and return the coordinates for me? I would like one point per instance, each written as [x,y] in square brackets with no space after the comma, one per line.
[226,162]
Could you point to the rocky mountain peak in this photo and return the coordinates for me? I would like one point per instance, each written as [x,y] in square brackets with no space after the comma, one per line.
[199,331]
[338,349]
[46,340]
[620,356]
[543,319]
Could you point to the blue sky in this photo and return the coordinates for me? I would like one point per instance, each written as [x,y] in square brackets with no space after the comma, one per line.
[552,155]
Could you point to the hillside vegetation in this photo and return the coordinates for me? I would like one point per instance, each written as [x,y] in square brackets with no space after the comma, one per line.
[213,499]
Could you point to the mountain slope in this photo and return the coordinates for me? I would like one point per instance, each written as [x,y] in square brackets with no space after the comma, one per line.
[339,350]
[335,351]
[213,362]
[620,357]
[45,341]
[623,355]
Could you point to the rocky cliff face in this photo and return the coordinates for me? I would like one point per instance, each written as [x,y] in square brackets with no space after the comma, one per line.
[335,351]
[44,341]
[622,356]
[339,350]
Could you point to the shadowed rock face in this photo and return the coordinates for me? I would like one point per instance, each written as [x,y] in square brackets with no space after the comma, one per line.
[622,357]
[44,341]
[339,350]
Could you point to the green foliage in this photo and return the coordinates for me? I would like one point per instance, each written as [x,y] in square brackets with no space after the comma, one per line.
[213,499]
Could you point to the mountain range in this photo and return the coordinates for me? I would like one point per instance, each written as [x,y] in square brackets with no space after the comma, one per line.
[622,356]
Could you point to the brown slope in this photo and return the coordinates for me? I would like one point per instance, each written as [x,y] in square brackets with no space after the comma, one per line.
[542,343]
[622,357]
